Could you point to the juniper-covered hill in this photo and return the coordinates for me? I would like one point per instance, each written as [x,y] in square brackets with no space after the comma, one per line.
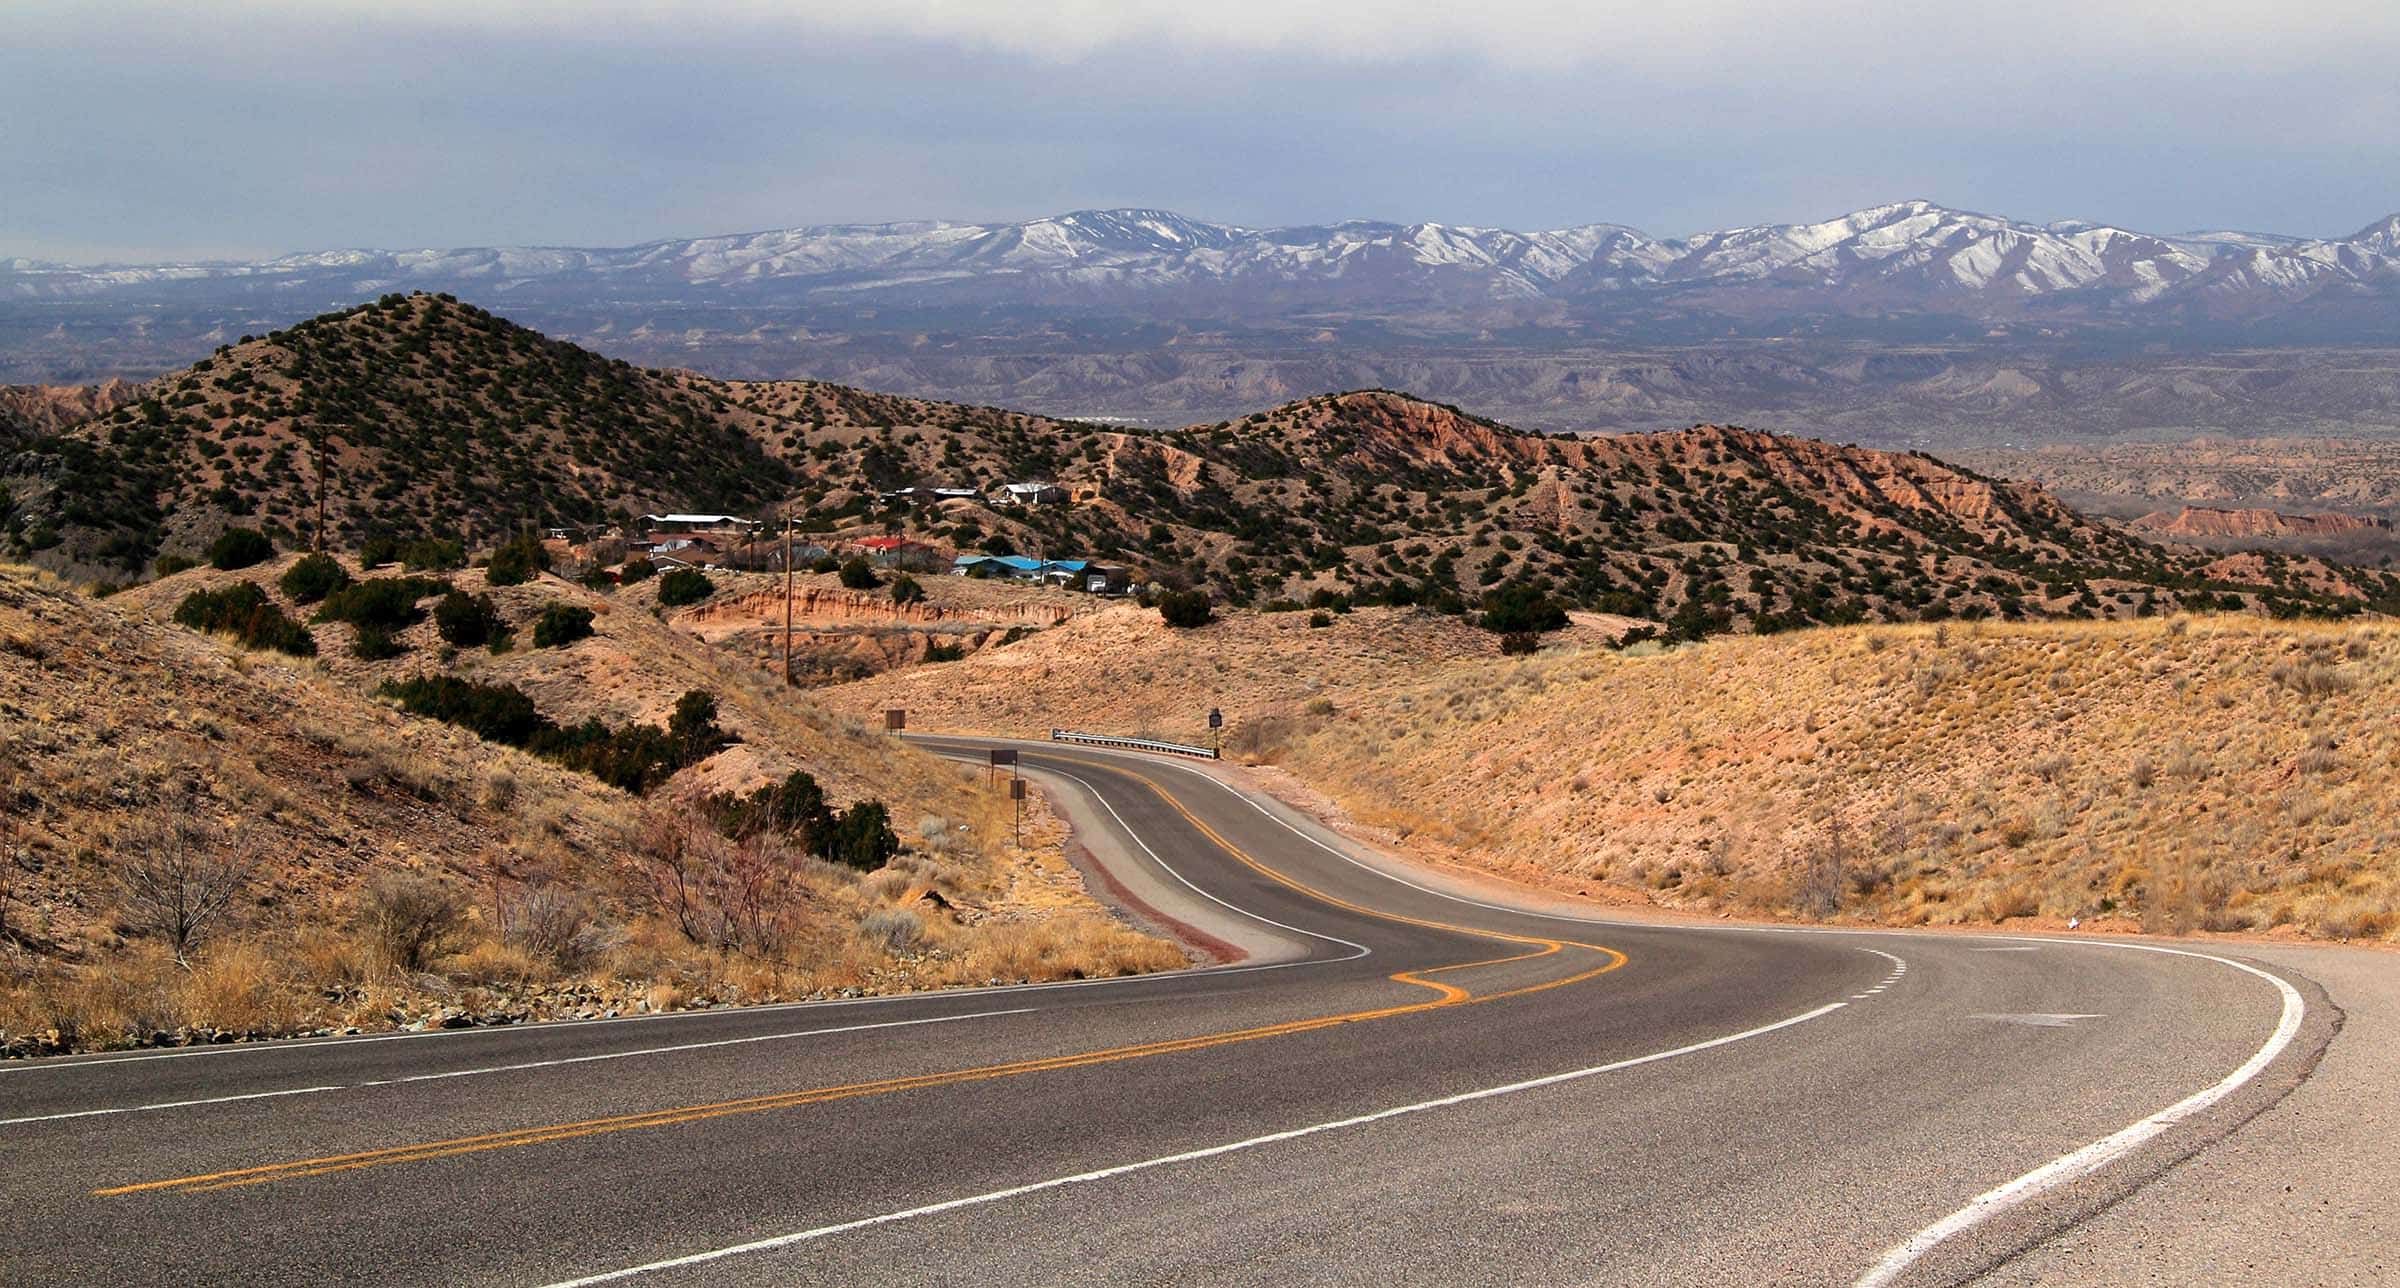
[422,415]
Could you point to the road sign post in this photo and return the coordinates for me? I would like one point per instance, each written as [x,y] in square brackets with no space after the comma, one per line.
[1016,793]
[1001,756]
[895,720]
[1216,724]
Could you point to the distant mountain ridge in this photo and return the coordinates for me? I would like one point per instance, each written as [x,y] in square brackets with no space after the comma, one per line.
[1909,254]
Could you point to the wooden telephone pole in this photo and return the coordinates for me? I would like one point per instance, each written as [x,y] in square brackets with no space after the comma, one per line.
[787,598]
[320,446]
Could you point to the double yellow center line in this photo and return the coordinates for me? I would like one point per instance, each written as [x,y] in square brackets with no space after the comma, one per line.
[1446,995]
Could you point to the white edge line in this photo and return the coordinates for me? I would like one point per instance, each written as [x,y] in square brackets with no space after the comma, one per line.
[511,1068]
[1187,1156]
[2104,1151]
[2082,1162]
[1362,949]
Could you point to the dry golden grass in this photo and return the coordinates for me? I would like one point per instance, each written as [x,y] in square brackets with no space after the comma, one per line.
[109,717]
[2215,774]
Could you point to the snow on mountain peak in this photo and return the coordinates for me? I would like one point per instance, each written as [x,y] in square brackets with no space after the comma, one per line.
[1912,253]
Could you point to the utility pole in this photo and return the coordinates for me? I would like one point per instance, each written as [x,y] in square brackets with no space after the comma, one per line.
[787,597]
[318,441]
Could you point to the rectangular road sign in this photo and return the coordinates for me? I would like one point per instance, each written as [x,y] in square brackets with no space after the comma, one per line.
[1016,789]
[895,720]
[1003,756]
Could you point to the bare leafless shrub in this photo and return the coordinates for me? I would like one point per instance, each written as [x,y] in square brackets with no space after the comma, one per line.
[181,879]
[2052,767]
[561,927]
[412,920]
[895,930]
[1262,739]
[2171,901]
[740,897]
[2319,757]
[2142,773]
[1824,879]
[2311,678]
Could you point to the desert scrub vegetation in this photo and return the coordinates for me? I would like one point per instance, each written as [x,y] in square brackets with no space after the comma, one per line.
[561,625]
[682,586]
[468,621]
[2216,772]
[312,577]
[691,916]
[238,548]
[515,563]
[633,757]
[243,611]
[195,847]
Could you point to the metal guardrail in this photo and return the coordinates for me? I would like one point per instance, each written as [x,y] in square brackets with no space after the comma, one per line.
[1131,744]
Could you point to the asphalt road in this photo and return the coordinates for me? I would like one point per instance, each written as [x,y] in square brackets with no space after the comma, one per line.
[1401,1081]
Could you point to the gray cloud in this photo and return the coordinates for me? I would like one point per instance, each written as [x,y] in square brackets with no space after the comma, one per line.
[260,128]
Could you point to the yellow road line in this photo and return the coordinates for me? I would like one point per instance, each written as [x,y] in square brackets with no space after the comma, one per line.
[1448,995]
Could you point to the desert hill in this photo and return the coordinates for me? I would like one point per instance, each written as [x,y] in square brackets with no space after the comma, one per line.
[434,417]
[123,735]
[2220,773]
[413,415]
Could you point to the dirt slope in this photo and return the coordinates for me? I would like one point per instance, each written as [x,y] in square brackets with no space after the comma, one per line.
[2221,773]
[117,728]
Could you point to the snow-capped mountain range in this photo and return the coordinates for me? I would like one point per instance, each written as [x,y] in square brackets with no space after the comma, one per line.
[1896,264]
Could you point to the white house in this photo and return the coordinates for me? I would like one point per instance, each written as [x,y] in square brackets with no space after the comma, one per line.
[1030,494]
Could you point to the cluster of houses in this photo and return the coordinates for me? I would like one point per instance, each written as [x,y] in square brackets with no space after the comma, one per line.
[731,541]
[1078,574]
[1006,495]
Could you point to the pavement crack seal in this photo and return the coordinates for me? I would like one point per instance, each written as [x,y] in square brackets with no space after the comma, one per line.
[1448,995]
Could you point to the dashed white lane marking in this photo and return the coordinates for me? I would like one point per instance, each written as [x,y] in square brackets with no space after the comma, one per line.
[506,1068]
[1188,1156]
[2106,1150]
[2027,948]
[168,1104]
[2035,1019]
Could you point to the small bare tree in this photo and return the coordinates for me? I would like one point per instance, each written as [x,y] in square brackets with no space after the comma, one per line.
[1821,883]
[414,920]
[182,879]
[733,896]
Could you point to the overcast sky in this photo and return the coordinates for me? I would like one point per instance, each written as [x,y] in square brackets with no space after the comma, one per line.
[135,132]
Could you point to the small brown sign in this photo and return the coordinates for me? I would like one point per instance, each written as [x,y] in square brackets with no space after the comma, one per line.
[895,720]
[1003,756]
[1016,789]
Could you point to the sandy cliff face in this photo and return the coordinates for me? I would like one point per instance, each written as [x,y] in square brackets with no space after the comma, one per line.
[46,409]
[842,634]
[2206,521]
[819,606]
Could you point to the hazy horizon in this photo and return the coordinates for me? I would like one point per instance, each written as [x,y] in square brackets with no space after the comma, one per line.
[264,127]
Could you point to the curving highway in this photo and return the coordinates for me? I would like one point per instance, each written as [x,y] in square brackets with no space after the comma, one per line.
[1395,1079]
